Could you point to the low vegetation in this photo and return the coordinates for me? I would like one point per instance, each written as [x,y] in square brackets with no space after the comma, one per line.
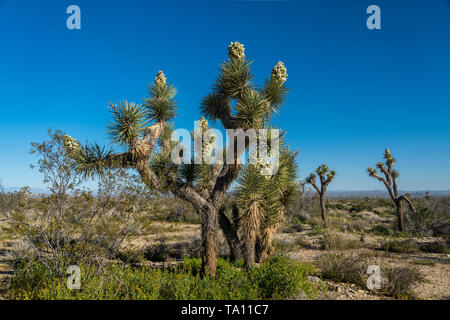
[276,278]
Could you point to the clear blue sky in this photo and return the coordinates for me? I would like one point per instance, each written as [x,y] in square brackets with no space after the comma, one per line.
[354,91]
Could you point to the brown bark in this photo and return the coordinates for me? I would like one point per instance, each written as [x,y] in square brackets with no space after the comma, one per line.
[398,204]
[231,236]
[209,244]
[322,209]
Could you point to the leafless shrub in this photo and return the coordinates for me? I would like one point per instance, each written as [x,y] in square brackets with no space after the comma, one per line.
[399,281]
[72,226]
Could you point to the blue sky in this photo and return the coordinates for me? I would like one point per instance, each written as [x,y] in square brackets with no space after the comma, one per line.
[354,91]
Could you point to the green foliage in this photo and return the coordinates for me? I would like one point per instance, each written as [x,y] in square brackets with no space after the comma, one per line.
[340,267]
[90,161]
[315,230]
[400,246]
[432,217]
[278,278]
[250,110]
[128,123]
[335,241]
[161,105]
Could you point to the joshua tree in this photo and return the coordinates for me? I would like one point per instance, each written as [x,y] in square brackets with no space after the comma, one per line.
[390,182]
[326,177]
[144,132]
[262,202]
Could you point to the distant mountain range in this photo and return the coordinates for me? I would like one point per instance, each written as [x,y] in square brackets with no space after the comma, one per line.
[34,191]
[383,194]
[330,194]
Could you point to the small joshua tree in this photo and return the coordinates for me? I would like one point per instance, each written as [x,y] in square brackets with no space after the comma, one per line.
[326,177]
[390,182]
[144,131]
[262,203]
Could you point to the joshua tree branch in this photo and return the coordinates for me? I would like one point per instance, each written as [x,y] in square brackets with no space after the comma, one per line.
[394,185]
[313,183]
[388,187]
[406,199]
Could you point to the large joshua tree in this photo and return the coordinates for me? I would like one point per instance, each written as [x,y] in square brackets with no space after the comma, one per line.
[326,177]
[143,132]
[390,182]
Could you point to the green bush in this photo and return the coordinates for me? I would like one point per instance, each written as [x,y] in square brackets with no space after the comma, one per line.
[334,241]
[277,278]
[280,278]
[400,246]
[381,230]
[340,267]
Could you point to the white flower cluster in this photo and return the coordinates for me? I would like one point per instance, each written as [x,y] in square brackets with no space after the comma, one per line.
[262,162]
[279,72]
[203,123]
[208,142]
[160,79]
[236,50]
[71,145]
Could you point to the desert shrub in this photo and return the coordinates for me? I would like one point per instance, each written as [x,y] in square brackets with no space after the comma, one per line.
[172,210]
[381,230]
[173,251]
[400,246]
[337,206]
[399,281]
[315,230]
[435,247]
[335,241]
[276,278]
[432,217]
[280,278]
[71,225]
[340,267]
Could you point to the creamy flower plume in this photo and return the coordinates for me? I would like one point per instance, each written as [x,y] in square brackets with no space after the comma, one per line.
[279,72]
[236,50]
[71,145]
[160,79]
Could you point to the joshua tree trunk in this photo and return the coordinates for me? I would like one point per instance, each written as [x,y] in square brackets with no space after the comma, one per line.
[322,209]
[209,230]
[401,226]
[231,236]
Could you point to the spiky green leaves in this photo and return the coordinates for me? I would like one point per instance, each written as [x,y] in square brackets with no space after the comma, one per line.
[275,93]
[326,176]
[394,174]
[311,178]
[128,123]
[389,163]
[91,160]
[161,105]
[251,110]
[234,79]
[214,106]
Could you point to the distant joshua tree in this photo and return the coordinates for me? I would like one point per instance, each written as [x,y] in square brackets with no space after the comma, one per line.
[326,177]
[390,181]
